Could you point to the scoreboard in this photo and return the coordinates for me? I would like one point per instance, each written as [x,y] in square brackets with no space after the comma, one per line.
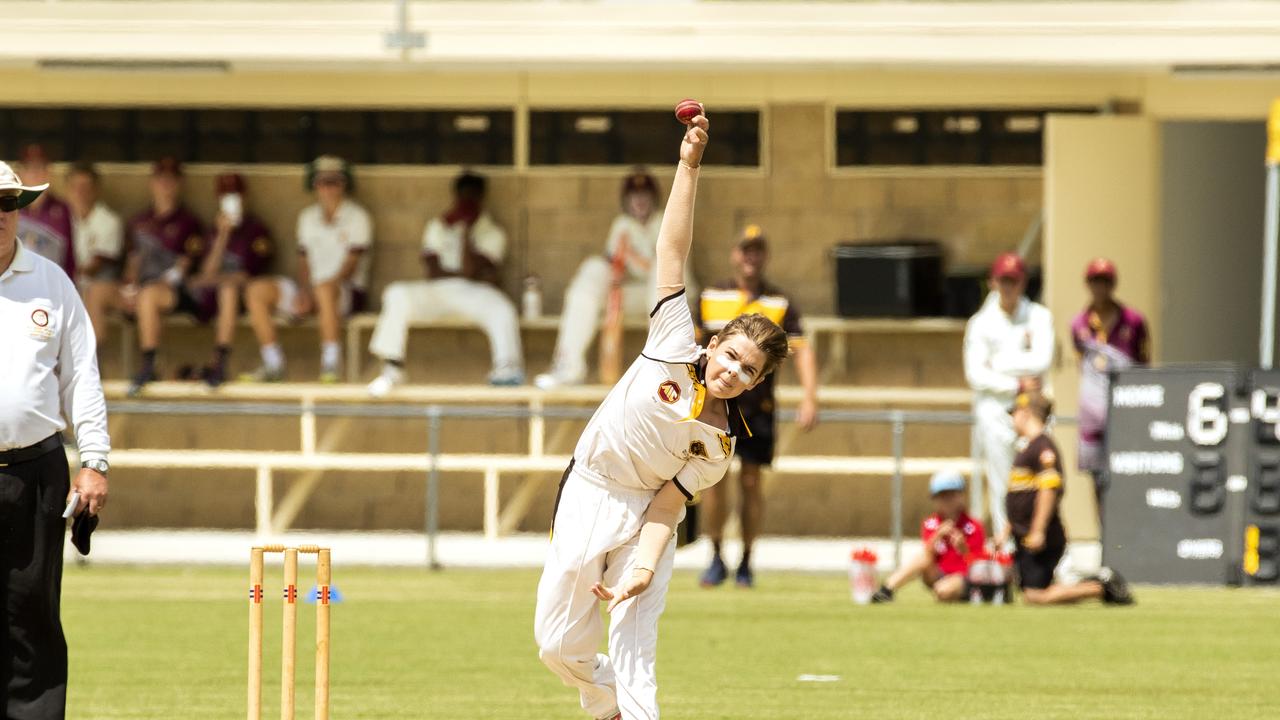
[1193,464]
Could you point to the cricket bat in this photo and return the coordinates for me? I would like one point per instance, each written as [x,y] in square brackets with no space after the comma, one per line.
[611,332]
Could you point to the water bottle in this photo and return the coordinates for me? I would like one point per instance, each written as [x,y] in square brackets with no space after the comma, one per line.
[531,300]
[862,575]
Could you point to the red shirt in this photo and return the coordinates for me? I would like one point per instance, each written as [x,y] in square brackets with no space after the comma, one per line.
[949,559]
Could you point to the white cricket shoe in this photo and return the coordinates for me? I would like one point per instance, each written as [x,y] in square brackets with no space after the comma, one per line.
[390,377]
[556,379]
[507,377]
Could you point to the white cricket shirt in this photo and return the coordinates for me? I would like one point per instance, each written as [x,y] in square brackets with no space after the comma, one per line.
[446,241]
[641,239]
[99,234]
[645,433]
[327,244]
[1000,348]
[49,366]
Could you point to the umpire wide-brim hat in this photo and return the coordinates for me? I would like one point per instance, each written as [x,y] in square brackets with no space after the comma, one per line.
[9,180]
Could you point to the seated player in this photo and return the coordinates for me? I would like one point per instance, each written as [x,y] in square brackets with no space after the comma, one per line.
[1035,492]
[98,236]
[240,249]
[628,261]
[166,244]
[334,236]
[462,253]
[950,537]
[44,226]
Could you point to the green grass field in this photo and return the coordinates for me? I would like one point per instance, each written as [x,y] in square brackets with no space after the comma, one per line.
[170,643]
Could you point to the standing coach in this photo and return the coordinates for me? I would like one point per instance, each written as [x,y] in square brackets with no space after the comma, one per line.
[49,369]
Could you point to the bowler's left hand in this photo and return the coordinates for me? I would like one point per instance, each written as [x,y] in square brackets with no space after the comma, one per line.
[633,586]
[92,487]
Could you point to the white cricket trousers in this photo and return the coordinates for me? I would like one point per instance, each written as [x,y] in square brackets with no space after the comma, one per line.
[584,305]
[995,443]
[410,301]
[595,532]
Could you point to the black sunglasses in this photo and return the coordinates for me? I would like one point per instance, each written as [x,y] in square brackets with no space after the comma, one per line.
[8,203]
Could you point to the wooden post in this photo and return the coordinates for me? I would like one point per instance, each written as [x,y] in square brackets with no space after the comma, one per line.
[289,635]
[255,634]
[322,633]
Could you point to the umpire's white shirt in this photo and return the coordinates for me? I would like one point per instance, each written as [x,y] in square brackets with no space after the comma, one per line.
[1000,348]
[645,433]
[49,363]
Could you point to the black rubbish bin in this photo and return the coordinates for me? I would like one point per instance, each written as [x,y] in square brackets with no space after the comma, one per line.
[901,278]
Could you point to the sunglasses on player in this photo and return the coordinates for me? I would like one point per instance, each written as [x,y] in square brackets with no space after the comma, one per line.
[8,203]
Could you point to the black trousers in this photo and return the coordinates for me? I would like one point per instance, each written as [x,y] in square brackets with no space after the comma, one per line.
[33,650]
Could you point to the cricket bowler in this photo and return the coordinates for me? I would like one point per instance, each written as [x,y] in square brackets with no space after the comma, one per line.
[665,432]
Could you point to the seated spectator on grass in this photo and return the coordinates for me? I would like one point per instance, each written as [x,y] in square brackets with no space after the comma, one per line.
[627,261]
[240,248]
[462,252]
[166,245]
[1032,503]
[97,234]
[334,236]
[44,226]
[950,537]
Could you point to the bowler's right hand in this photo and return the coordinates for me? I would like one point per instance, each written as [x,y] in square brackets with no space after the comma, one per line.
[695,141]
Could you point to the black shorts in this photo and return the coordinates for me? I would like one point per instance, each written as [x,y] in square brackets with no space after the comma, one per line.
[1035,569]
[757,449]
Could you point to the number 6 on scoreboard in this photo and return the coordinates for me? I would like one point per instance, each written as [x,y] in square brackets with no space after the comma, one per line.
[1206,421]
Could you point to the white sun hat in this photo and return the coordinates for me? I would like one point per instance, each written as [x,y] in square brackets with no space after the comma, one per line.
[9,180]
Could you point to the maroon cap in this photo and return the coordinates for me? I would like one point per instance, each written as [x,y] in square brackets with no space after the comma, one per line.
[167,165]
[1008,265]
[228,183]
[34,154]
[639,181]
[1100,269]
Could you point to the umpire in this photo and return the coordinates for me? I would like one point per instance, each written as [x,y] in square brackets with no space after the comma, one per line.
[48,370]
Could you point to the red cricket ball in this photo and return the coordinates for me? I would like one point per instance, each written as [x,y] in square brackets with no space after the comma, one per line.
[687,110]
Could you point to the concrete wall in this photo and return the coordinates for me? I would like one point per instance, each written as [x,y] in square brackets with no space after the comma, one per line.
[1212,198]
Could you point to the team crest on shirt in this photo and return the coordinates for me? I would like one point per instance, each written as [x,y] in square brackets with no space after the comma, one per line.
[726,444]
[669,392]
[697,448]
[194,245]
[40,324]
[262,247]
[1048,458]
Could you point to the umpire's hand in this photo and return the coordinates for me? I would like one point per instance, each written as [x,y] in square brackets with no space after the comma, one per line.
[92,486]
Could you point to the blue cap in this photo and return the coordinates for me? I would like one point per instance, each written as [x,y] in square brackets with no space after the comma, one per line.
[945,480]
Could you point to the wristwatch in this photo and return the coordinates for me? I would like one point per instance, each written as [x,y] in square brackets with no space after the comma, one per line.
[99,466]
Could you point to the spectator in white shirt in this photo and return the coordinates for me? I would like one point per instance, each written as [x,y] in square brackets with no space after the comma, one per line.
[98,237]
[1008,347]
[334,236]
[462,252]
